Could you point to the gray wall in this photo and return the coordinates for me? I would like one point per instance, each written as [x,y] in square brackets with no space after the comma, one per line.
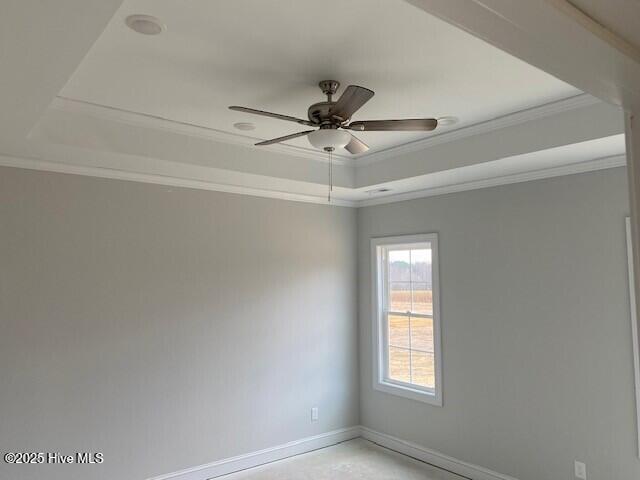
[537,351]
[168,327]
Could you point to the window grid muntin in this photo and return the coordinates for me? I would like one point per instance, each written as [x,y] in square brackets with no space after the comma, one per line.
[386,303]
[430,352]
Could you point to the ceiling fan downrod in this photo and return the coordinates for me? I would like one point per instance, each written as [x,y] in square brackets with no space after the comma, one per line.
[329,88]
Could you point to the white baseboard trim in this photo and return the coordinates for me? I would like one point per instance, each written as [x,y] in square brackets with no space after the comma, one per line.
[254,459]
[304,445]
[433,457]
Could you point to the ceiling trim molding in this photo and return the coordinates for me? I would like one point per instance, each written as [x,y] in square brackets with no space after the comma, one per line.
[511,119]
[159,123]
[116,174]
[570,169]
[136,119]
[598,29]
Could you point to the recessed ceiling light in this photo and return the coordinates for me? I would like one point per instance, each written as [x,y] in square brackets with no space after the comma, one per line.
[445,121]
[145,24]
[378,190]
[244,126]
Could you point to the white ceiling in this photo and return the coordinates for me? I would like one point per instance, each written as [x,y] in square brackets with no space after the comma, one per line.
[261,54]
[270,54]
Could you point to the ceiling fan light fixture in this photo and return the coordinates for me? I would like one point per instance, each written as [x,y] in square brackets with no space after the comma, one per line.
[329,138]
[332,117]
[378,190]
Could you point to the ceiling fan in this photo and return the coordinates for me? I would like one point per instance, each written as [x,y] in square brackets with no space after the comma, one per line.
[333,119]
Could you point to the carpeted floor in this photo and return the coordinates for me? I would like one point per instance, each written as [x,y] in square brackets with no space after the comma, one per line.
[356,459]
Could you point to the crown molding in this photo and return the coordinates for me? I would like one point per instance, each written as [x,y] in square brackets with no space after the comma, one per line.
[515,118]
[570,169]
[101,172]
[136,119]
[116,174]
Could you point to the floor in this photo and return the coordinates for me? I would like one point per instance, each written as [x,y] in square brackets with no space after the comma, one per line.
[356,459]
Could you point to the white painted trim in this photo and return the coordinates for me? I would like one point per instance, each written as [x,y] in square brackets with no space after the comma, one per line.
[515,118]
[136,119]
[160,123]
[34,164]
[571,169]
[267,455]
[598,29]
[45,165]
[432,457]
[377,295]
[309,444]
[634,325]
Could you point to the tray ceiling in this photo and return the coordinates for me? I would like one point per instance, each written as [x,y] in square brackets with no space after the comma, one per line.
[154,108]
[270,54]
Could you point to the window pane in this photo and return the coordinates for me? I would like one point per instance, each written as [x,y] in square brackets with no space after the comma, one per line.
[399,265]
[422,369]
[407,348]
[422,298]
[399,360]
[400,293]
[398,331]
[422,334]
[421,265]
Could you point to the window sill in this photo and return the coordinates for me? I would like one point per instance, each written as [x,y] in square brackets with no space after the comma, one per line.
[411,393]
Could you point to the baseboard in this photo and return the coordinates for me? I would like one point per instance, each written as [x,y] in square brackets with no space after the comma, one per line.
[433,457]
[304,445]
[254,459]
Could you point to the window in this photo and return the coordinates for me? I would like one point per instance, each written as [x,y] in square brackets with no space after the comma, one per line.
[407,359]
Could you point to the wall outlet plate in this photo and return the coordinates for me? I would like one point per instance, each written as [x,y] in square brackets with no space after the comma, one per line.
[580,470]
[314,414]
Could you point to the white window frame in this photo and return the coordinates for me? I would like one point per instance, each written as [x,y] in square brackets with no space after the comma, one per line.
[378,266]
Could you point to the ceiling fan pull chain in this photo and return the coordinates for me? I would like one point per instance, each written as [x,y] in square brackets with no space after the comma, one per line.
[329,150]
[330,176]
[331,171]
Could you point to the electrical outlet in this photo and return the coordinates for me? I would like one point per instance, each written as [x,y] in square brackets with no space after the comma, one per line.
[314,414]
[580,470]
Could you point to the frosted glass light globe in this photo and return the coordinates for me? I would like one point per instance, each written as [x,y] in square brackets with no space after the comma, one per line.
[329,138]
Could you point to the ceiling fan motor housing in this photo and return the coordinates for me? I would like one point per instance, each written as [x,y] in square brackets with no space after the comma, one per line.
[320,114]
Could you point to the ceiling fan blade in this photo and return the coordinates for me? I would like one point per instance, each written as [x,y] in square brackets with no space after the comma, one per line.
[272,115]
[350,101]
[409,125]
[356,146]
[285,138]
